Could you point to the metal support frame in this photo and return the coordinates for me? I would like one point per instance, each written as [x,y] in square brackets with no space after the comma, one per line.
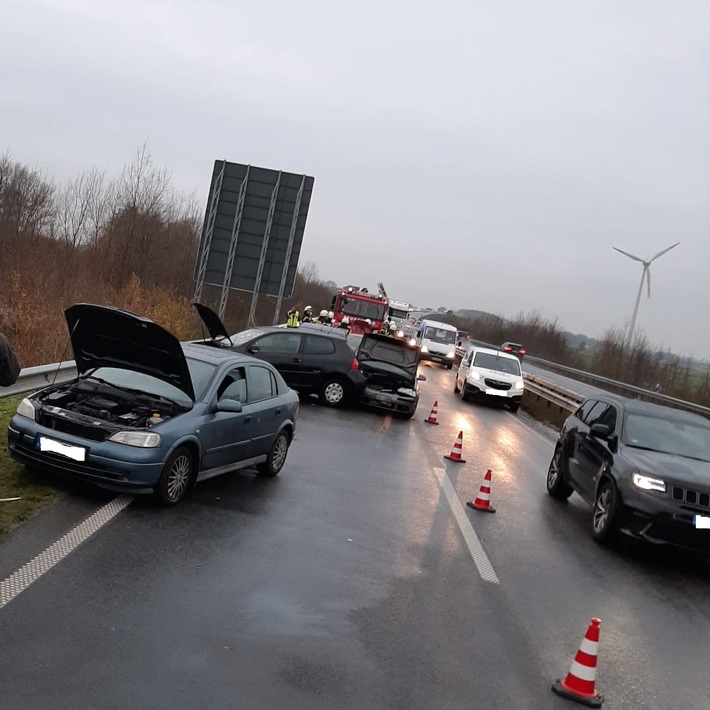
[289,248]
[233,245]
[209,231]
[264,247]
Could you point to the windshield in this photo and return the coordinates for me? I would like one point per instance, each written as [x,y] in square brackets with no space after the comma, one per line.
[399,313]
[440,335]
[495,362]
[364,309]
[667,436]
[246,335]
[200,372]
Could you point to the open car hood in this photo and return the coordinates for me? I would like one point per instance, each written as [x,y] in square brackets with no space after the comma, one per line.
[383,348]
[102,336]
[212,322]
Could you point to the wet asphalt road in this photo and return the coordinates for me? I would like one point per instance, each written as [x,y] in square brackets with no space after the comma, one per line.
[346,583]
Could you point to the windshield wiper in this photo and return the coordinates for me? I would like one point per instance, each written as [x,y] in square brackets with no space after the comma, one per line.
[134,391]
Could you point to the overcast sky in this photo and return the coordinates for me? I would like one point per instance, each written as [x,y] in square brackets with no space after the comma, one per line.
[467,154]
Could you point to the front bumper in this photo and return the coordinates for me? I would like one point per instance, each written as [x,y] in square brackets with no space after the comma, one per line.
[109,465]
[389,401]
[659,520]
[479,388]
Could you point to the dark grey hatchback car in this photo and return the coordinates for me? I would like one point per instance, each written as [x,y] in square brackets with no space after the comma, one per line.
[312,359]
[643,467]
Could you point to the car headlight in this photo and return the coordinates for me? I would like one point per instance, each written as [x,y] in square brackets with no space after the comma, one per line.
[407,392]
[26,409]
[400,333]
[474,375]
[450,354]
[425,349]
[412,341]
[144,439]
[519,385]
[647,483]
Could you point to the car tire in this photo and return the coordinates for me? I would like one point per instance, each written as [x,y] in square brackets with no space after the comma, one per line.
[176,478]
[333,393]
[450,366]
[606,514]
[556,480]
[456,385]
[276,457]
[514,407]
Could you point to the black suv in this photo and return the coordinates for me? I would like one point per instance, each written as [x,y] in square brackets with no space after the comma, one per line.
[643,467]
[312,359]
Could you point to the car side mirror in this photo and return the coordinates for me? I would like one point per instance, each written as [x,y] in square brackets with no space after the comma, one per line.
[253,349]
[421,378]
[229,405]
[600,431]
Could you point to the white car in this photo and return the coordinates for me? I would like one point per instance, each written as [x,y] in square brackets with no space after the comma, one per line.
[490,374]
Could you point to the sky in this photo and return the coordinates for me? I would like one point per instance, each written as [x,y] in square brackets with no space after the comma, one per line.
[467,154]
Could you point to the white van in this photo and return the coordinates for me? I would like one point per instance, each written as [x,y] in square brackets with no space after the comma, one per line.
[437,342]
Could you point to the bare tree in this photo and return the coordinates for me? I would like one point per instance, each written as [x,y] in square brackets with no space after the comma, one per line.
[81,209]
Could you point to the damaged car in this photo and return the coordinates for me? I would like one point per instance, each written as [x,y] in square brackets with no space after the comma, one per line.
[148,414]
[390,369]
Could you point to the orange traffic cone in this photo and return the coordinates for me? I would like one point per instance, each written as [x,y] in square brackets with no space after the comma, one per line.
[483,499]
[432,416]
[579,683]
[455,454]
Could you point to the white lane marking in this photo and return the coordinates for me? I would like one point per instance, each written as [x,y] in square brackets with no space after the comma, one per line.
[478,554]
[35,568]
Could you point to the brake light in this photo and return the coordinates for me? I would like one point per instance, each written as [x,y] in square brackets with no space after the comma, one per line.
[355,365]
[507,348]
[522,351]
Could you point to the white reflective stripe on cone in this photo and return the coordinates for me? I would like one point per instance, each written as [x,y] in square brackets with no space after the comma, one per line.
[590,647]
[583,672]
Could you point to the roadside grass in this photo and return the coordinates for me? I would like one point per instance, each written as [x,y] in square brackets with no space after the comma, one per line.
[15,480]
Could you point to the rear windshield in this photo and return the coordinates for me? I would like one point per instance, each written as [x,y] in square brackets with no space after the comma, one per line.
[440,335]
[667,436]
[494,362]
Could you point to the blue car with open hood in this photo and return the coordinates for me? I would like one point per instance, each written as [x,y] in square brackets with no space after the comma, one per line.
[148,414]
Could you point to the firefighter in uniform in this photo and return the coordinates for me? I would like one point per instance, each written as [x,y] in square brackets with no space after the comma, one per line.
[292,318]
[345,325]
[308,315]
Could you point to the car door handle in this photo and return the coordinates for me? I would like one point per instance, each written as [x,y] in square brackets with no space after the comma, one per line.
[297,359]
[247,420]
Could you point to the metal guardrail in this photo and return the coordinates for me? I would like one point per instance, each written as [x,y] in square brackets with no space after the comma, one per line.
[621,388]
[34,378]
[564,398]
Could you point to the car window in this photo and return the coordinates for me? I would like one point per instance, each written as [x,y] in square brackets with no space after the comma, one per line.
[316,345]
[596,414]
[495,362]
[608,417]
[245,335]
[279,343]
[233,386]
[583,412]
[262,384]
[667,436]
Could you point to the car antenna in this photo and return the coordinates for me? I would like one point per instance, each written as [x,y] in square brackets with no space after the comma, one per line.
[66,347]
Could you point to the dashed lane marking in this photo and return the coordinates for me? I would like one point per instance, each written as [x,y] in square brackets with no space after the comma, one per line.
[17,582]
[478,554]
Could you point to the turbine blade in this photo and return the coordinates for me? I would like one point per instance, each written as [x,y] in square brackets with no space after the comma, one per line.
[660,253]
[648,280]
[631,256]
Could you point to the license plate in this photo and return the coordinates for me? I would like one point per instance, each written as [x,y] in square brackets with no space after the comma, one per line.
[701,522]
[499,393]
[78,453]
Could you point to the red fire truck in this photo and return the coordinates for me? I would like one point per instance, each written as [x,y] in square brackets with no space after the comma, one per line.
[365,311]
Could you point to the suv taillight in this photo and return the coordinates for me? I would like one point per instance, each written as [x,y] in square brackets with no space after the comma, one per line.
[521,351]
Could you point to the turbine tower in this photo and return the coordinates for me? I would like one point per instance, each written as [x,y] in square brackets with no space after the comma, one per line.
[645,275]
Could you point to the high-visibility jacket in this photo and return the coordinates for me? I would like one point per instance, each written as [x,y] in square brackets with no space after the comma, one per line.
[292,320]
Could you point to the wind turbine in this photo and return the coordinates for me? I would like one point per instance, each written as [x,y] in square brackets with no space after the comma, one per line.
[646,274]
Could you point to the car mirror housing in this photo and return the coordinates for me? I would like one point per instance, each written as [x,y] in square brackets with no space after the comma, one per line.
[253,349]
[421,378]
[600,431]
[229,405]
